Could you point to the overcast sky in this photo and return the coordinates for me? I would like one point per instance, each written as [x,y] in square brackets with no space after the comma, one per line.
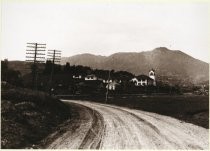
[104,28]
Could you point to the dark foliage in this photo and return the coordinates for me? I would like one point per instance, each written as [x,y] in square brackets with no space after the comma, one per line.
[28,116]
[9,75]
[63,81]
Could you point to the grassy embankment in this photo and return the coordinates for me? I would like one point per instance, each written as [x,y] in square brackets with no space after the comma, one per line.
[193,109]
[27,117]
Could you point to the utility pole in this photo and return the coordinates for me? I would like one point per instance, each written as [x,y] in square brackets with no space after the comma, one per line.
[55,57]
[107,90]
[33,54]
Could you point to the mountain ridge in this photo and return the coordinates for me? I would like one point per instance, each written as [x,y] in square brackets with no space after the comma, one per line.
[166,62]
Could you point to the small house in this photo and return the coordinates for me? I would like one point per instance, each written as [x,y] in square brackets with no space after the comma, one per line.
[77,77]
[91,77]
[112,85]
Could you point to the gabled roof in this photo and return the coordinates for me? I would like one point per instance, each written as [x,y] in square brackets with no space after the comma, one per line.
[113,84]
[76,75]
[91,75]
[152,70]
[143,77]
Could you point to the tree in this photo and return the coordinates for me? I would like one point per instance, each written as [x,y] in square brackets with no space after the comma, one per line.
[124,75]
[4,69]
[4,65]
[67,68]
[57,69]
[9,75]
[48,67]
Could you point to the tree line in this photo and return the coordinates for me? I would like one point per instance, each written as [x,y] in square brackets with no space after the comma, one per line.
[63,81]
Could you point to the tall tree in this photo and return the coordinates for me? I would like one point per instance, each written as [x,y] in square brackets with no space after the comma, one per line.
[48,67]
[67,68]
[9,75]
[4,69]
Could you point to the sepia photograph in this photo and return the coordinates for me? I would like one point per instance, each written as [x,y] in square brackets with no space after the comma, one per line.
[102,74]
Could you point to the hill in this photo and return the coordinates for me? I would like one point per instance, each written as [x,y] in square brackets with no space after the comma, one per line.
[167,63]
[22,66]
[85,59]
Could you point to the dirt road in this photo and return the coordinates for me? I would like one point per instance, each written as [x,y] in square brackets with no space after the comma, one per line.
[111,127]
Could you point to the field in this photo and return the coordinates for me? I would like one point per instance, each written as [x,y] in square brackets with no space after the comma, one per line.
[193,109]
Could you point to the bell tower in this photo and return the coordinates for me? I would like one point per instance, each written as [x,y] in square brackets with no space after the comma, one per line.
[152,76]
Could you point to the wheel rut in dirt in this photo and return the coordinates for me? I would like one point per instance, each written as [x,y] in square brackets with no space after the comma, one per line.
[84,130]
[103,126]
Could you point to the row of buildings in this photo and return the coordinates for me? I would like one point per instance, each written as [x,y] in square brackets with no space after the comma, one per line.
[111,84]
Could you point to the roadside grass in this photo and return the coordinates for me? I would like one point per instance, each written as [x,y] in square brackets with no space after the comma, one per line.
[28,116]
[192,109]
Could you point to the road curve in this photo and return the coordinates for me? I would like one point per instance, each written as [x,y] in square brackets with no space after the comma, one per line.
[113,127]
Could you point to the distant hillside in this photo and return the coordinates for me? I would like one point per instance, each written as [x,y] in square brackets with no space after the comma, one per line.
[85,59]
[22,66]
[173,63]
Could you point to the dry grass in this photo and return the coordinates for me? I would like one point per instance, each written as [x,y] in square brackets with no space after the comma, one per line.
[193,109]
[27,117]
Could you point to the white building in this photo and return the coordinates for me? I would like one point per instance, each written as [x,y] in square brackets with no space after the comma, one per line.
[107,81]
[112,85]
[77,77]
[91,77]
[143,80]
[152,76]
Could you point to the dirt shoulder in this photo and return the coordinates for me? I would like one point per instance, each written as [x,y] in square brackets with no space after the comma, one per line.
[103,126]
[191,109]
[27,117]
[84,129]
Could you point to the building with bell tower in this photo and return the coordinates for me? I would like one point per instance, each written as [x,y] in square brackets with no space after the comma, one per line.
[152,76]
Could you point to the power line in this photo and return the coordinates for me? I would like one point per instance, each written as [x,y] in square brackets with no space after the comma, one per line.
[55,57]
[107,90]
[33,55]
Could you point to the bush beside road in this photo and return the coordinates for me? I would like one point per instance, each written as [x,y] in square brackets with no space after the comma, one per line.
[28,116]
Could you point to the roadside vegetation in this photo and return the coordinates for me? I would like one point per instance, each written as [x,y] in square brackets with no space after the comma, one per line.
[27,116]
[192,109]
